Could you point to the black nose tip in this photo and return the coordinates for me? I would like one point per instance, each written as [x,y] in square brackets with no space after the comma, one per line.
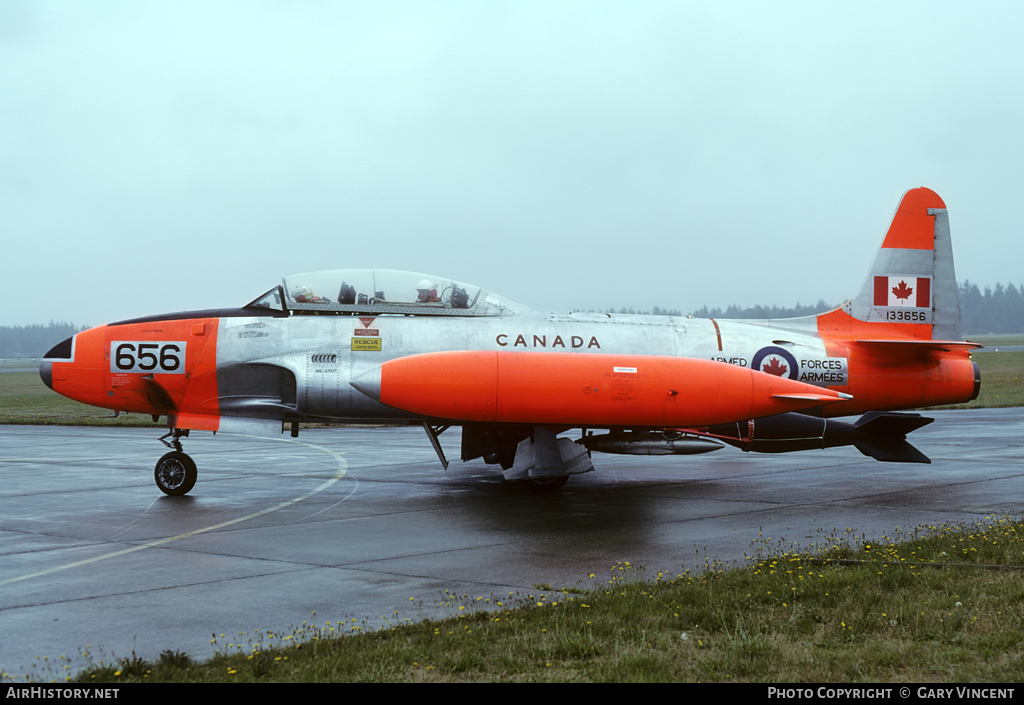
[46,373]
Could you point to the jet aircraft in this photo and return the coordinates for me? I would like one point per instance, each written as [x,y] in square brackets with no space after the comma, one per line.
[402,348]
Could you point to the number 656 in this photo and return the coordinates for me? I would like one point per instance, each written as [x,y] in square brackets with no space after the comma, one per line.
[147,356]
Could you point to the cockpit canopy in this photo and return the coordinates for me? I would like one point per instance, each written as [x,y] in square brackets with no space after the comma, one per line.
[382,291]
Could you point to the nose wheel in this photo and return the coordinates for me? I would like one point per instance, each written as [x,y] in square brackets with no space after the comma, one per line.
[175,473]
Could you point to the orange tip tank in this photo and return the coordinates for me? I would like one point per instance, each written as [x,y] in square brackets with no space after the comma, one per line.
[570,389]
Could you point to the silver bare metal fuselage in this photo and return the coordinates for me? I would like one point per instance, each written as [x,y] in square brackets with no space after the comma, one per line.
[301,367]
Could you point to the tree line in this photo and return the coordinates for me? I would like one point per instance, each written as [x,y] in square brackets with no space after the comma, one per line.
[763,311]
[998,309]
[992,310]
[34,340]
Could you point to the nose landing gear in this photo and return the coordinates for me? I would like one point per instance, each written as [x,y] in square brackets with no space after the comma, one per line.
[175,473]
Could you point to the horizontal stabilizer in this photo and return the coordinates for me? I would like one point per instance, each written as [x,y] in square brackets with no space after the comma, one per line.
[891,423]
[885,436]
[912,349]
[891,450]
[940,344]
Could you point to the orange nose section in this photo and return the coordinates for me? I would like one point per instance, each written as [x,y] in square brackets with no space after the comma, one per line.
[156,368]
[76,366]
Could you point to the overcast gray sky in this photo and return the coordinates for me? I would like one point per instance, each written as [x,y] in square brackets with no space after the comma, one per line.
[162,156]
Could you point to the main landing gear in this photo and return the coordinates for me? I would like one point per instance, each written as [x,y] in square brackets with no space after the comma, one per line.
[546,484]
[175,473]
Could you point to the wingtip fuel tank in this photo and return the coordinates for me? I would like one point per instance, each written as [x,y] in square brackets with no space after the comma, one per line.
[569,389]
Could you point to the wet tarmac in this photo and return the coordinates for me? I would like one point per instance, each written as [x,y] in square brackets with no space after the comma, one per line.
[352,523]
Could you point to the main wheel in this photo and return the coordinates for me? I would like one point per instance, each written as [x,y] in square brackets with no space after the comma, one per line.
[175,473]
[547,484]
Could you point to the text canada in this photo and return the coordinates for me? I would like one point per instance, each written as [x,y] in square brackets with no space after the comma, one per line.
[542,341]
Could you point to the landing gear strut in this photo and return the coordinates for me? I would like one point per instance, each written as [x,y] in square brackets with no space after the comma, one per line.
[544,462]
[175,473]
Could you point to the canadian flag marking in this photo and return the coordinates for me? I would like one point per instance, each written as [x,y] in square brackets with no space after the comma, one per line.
[910,292]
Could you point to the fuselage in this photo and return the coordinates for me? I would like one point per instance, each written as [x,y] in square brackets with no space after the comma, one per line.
[197,368]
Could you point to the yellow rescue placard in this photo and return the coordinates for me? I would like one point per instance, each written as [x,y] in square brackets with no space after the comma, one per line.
[366,344]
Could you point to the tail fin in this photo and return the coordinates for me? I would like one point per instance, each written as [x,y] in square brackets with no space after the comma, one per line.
[910,291]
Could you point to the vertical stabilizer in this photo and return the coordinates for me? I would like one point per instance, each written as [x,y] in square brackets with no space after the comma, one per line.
[912,282]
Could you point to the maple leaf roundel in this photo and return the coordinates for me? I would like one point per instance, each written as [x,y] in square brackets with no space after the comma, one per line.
[776,361]
[902,291]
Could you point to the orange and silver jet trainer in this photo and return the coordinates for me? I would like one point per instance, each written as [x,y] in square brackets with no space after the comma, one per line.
[392,347]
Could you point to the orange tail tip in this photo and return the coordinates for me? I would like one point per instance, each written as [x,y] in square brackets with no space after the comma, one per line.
[913,225]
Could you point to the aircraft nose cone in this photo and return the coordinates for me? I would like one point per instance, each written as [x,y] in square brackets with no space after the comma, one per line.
[46,373]
[60,351]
